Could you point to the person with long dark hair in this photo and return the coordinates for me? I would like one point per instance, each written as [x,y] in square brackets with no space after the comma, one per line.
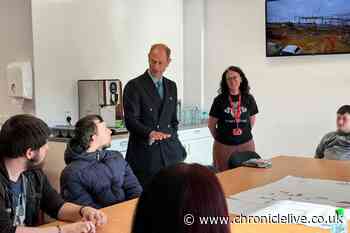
[232,117]
[176,199]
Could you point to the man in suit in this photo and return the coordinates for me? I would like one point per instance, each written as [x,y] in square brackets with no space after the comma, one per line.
[150,109]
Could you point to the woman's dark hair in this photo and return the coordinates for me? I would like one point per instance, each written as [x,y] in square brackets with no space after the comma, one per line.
[85,128]
[177,193]
[21,132]
[244,87]
[344,109]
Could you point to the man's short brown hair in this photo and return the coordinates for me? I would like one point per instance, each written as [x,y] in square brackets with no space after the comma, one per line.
[161,46]
[85,128]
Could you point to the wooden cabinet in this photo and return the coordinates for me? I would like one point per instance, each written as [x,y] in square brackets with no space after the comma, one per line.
[54,163]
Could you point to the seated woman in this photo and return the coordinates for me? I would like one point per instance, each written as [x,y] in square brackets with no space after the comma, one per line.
[177,198]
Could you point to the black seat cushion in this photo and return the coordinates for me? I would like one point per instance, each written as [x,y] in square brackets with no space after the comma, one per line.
[237,158]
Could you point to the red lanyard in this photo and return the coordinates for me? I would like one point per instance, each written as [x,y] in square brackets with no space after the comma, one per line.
[236,114]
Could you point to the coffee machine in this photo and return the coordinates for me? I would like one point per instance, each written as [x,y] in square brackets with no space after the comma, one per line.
[103,97]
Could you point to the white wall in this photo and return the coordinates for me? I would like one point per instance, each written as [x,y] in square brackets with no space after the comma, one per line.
[194,29]
[297,96]
[85,39]
[16,44]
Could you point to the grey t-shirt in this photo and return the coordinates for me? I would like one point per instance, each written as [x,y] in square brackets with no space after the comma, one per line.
[335,146]
[17,193]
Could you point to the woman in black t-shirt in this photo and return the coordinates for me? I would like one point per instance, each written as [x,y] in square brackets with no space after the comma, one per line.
[232,117]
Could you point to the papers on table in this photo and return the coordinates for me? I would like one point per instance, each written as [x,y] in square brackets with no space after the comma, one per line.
[299,196]
[308,214]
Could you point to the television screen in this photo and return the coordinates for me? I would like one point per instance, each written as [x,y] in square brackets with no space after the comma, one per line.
[307,27]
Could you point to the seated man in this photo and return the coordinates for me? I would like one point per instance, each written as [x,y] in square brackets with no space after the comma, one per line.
[95,176]
[336,145]
[25,189]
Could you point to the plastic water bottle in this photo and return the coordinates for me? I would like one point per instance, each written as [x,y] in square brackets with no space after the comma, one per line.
[341,225]
[204,117]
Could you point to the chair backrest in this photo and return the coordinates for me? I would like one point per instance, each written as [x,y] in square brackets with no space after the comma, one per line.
[237,158]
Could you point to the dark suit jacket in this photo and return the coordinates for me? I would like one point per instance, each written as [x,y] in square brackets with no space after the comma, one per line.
[144,112]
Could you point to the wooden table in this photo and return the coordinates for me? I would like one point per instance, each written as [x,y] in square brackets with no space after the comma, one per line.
[242,179]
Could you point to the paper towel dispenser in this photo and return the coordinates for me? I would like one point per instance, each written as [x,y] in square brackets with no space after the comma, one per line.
[19,77]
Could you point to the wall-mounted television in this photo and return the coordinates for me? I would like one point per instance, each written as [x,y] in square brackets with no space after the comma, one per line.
[307,27]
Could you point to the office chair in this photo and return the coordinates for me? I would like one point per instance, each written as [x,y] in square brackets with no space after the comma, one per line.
[237,158]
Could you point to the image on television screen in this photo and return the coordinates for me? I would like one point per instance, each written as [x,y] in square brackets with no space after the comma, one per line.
[307,27]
